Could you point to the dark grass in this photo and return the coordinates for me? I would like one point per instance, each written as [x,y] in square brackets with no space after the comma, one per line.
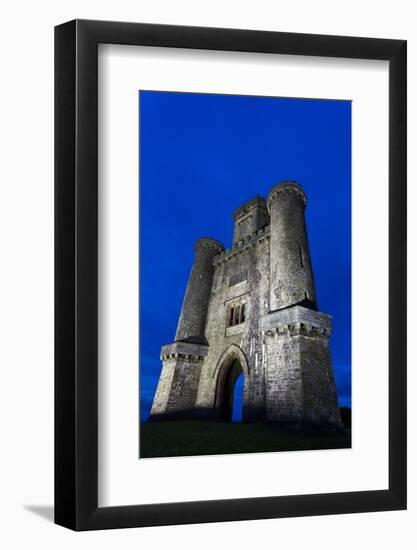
[196,437]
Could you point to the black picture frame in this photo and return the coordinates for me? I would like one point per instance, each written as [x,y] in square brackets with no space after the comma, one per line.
[76,272]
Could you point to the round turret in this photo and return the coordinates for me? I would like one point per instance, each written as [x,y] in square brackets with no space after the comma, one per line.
[291,274]
[209,244]
[192,321]
[286,186]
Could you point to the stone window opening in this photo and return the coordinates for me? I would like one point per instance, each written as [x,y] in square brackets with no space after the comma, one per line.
[300,250]
[231,316]
[236,315]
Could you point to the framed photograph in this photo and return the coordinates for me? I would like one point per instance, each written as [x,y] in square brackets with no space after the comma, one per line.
[230,255]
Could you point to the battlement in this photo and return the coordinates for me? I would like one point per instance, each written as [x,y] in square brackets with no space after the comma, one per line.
[255,202]
[250,217]
[297,318]
[208,243]
[286,186]
[242,245]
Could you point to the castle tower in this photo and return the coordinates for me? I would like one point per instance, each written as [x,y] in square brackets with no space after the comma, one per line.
[300,387]
[192,321]
[252,310]
[250,217]
[291,274]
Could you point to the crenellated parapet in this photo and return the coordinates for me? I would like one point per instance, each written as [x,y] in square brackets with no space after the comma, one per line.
[209,245]
[296,321]
[286,187]
[243,245]
[248,207]
[250,217]
[184,350]
[297,329]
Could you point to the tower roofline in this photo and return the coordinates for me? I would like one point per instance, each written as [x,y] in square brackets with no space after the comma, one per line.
[208,242]
[256,201]
[287,186]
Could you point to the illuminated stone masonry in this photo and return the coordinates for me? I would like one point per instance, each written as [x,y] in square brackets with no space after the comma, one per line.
[252,309]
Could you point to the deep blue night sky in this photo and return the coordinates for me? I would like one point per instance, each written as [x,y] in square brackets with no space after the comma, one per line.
[202,156]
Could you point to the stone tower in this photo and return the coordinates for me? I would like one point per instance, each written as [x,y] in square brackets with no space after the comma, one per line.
[252,309]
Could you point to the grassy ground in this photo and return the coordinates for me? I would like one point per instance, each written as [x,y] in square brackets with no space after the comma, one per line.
[195,437]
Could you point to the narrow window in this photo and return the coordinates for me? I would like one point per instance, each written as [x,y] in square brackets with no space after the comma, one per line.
[300,249]
[237,314]
[242,313]
[231,316]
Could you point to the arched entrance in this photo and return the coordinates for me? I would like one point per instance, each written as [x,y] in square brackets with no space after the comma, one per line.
[231,365]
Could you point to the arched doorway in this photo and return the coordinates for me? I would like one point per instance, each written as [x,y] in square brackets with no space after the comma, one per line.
[231,368]
[237,414]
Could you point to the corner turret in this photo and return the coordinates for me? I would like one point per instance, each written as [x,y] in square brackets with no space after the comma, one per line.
[291,274]
[192,321]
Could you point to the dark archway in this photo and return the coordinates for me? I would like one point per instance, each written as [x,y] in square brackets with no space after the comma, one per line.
[238,398]
[229,373]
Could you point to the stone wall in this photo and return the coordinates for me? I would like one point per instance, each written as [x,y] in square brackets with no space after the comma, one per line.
[178,385]
[250,217]
[252,257]
[180,376]
[300,383]
[319,392]
[160,401]
[300,387]
[283,378]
